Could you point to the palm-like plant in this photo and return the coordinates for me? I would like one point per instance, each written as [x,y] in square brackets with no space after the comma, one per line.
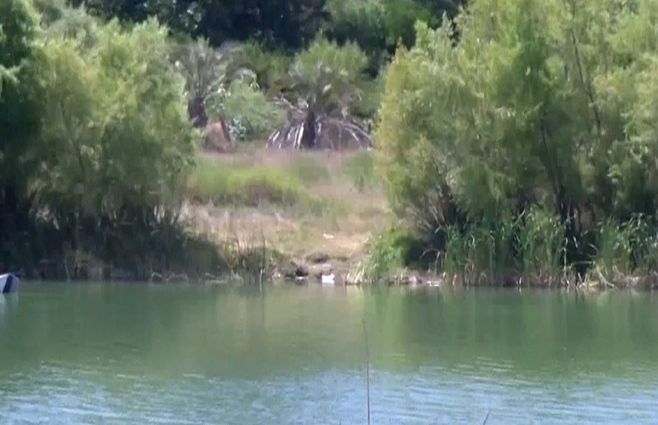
[327,79]
[205,70]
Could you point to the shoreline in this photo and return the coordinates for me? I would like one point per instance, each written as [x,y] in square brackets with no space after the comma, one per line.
[287,270]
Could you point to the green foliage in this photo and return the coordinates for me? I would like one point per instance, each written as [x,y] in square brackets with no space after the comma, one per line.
[400,16]
[361,22]
[94,136]
[623,249]
[527,249]
[20,121]
[60,21]
[377,26]
[250,115]
[613,252]
[18,85]
[370,99]
[222,85]
[541,245]
[389,254]
[478,253]
[17,30]
[271,67]
[206,71]
[328,76]
[537,106]
[283,23]
[117,132]
[385,258]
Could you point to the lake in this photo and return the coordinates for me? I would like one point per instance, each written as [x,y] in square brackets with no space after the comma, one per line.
[149,354]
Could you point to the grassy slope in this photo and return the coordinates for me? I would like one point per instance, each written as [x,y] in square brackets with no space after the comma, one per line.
[299,204]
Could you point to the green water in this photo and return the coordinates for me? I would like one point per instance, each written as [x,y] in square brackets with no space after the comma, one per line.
[140,354]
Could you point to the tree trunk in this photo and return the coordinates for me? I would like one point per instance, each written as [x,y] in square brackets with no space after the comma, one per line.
[196,110]
[308,132]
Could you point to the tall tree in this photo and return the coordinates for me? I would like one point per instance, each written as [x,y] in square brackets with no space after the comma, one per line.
[19,118]
[537,105]
[285,23]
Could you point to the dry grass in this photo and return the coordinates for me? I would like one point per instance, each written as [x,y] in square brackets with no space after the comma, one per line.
[348,215]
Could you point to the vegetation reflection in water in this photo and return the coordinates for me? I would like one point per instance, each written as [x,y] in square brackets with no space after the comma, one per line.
[292,355]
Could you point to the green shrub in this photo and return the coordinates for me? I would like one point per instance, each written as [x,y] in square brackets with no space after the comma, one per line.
[116,131]
[534,107]
[271,67]
[386,257]
[371,95]
[94,148]
[377,26]
[362,22]
[250,115]
[480,251]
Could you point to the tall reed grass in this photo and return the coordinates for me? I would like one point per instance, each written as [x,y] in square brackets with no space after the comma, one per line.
[529,249]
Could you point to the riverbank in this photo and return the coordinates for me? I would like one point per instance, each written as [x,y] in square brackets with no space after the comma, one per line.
[298,216]
[310,213]
[258,215]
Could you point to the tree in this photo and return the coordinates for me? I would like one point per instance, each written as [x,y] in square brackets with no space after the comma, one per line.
[328,80]
[283,23]
[94,140]
[206,71]
[328,76]
[116,136]
[537,105]
[19,120]
[378,26]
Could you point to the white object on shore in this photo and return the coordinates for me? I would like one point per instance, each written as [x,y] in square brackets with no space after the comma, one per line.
[329,279]
[8,283]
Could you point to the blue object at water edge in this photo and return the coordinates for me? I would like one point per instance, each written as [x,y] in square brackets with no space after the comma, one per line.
[8,283]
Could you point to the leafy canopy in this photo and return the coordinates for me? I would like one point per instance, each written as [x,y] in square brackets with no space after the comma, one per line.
[116,131]
[328,76]
[549,103]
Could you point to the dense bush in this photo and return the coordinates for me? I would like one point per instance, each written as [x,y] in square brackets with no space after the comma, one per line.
[362,22]
[541,104]
[270,66]
[378,26]
[249,113]
[94,136]
[116,130]
[20,121]
[283,23]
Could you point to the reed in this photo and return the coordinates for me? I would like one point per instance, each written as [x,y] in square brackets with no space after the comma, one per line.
[367,346]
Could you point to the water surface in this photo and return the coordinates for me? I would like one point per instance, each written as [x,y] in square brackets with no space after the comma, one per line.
[148,354]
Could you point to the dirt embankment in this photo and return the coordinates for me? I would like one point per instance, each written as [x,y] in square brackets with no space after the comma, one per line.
[333,205]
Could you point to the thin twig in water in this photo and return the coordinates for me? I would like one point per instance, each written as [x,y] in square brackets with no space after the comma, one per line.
[486,418]
[365,334]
